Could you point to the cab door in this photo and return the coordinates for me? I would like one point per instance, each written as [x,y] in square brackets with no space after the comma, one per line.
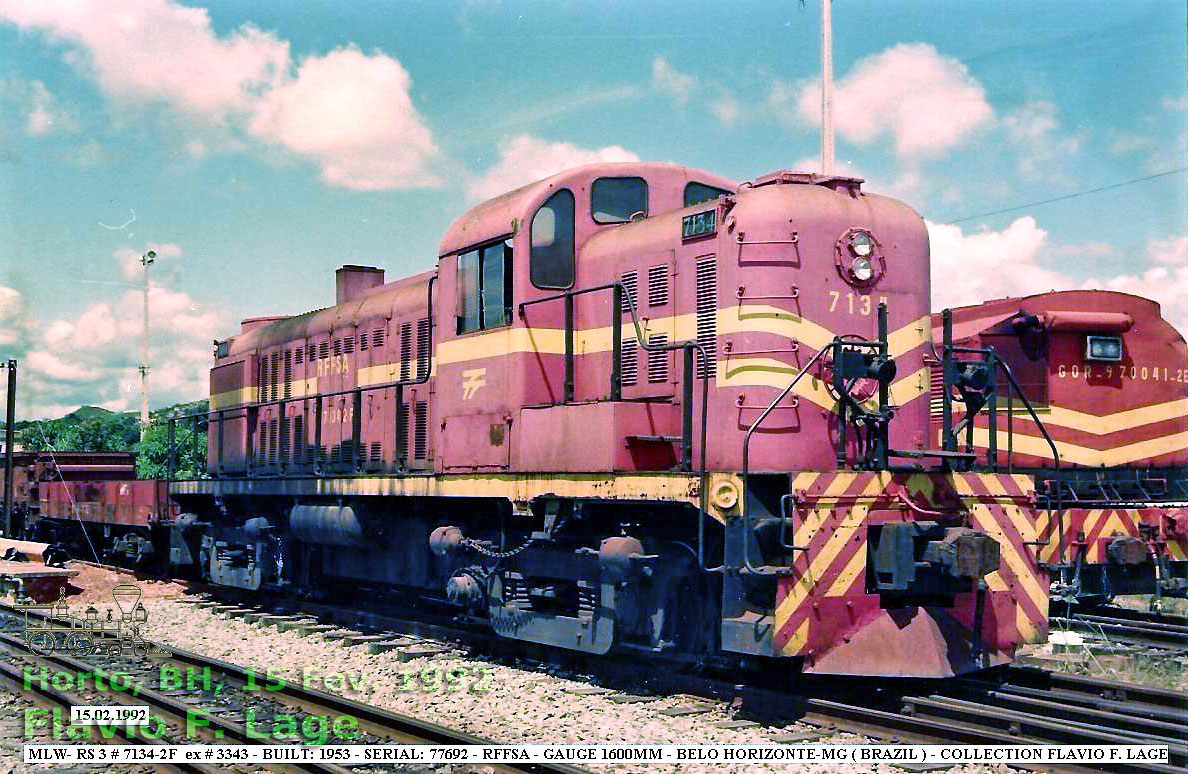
[476,346]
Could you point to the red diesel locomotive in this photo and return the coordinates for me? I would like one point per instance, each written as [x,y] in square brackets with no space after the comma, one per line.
[1108,376]
[634,407]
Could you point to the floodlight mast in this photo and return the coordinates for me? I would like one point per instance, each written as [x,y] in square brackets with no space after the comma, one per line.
[146,260]
[826,88]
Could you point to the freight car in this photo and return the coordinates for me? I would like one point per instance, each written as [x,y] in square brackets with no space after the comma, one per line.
[89,505]
[634,407]
[1108,375]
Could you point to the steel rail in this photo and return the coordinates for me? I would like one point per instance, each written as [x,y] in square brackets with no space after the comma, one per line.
[394,727]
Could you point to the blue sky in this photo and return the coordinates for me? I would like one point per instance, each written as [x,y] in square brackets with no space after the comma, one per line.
[258,146]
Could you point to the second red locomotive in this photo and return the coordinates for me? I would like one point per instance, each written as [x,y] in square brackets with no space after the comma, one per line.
[1108,377]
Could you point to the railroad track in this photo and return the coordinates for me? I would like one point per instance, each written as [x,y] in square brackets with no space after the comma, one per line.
[233,707]
[1165,632]
[1006,706]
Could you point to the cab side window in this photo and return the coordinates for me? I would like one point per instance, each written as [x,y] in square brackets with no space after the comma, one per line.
[616,199]
[551,234]
[696,193]
[484,288]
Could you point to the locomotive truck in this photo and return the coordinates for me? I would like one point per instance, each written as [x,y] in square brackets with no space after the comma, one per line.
[633,407]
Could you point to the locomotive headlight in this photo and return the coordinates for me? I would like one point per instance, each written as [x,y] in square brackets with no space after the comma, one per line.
[859,258]
[862,246]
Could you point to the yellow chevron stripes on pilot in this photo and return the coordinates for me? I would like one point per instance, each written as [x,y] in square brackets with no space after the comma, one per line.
[1023,622]
[986,521]
[845,579]
[229,398]
[1107,424]
[995,583]
[797,641]
[1081,455]
[1027,531]
[825,557]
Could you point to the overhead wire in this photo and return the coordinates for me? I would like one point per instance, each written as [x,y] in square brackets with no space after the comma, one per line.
[1066,197]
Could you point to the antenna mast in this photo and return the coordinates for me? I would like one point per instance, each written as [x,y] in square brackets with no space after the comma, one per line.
[826,88]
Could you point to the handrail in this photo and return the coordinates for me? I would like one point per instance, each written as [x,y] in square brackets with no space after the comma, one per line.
[621,295]
[422,377]
[1006,369]
[746,461]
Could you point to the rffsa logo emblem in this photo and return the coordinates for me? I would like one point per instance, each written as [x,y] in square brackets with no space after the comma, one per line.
[473,380]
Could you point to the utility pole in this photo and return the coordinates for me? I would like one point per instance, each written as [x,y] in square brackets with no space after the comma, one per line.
[826,88]
[10,416]
[146,261]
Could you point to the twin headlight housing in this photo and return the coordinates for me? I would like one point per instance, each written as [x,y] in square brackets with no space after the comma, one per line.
[858,258]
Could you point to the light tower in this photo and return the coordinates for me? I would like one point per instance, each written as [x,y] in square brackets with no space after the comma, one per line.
[826,88]
[146,261]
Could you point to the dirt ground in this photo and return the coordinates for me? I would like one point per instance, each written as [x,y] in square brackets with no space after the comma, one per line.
[93,585]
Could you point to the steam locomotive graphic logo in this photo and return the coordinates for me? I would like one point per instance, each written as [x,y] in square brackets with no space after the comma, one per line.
[52,627]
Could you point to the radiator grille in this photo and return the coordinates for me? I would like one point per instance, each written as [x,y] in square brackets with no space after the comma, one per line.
[421,431]
[337,347]
[707,315]
[423,348]
[631,282]
[274,376]
[348,344]
[324,350]
[299,450]
[272,441]
[657,360]
[377,338]
[402,434]
[285,443]
[288,391]
[629,360]
[657,285]
[299,355]
[405,350]
[262,380]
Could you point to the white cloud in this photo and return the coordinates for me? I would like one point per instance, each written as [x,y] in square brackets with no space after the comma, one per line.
[163,266]
[92,357]
[1036,131]
[1165,279]
[928,103]
[525,159]
[43,113]
[16,328]
[55,367]
[726,109]
[781,101]
[353,115]
[158,51]
[348,112]
[969,268]
[1175,104]
[669,81]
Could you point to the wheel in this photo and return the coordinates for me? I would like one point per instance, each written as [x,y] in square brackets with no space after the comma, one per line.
[42,643]
[79,644]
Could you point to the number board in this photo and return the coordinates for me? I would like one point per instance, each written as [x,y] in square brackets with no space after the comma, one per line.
[698,224]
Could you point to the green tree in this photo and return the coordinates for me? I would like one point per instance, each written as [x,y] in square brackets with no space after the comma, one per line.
[189,457]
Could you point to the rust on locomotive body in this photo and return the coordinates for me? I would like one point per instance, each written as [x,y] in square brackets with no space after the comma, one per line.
[1107,377]
[635,406]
